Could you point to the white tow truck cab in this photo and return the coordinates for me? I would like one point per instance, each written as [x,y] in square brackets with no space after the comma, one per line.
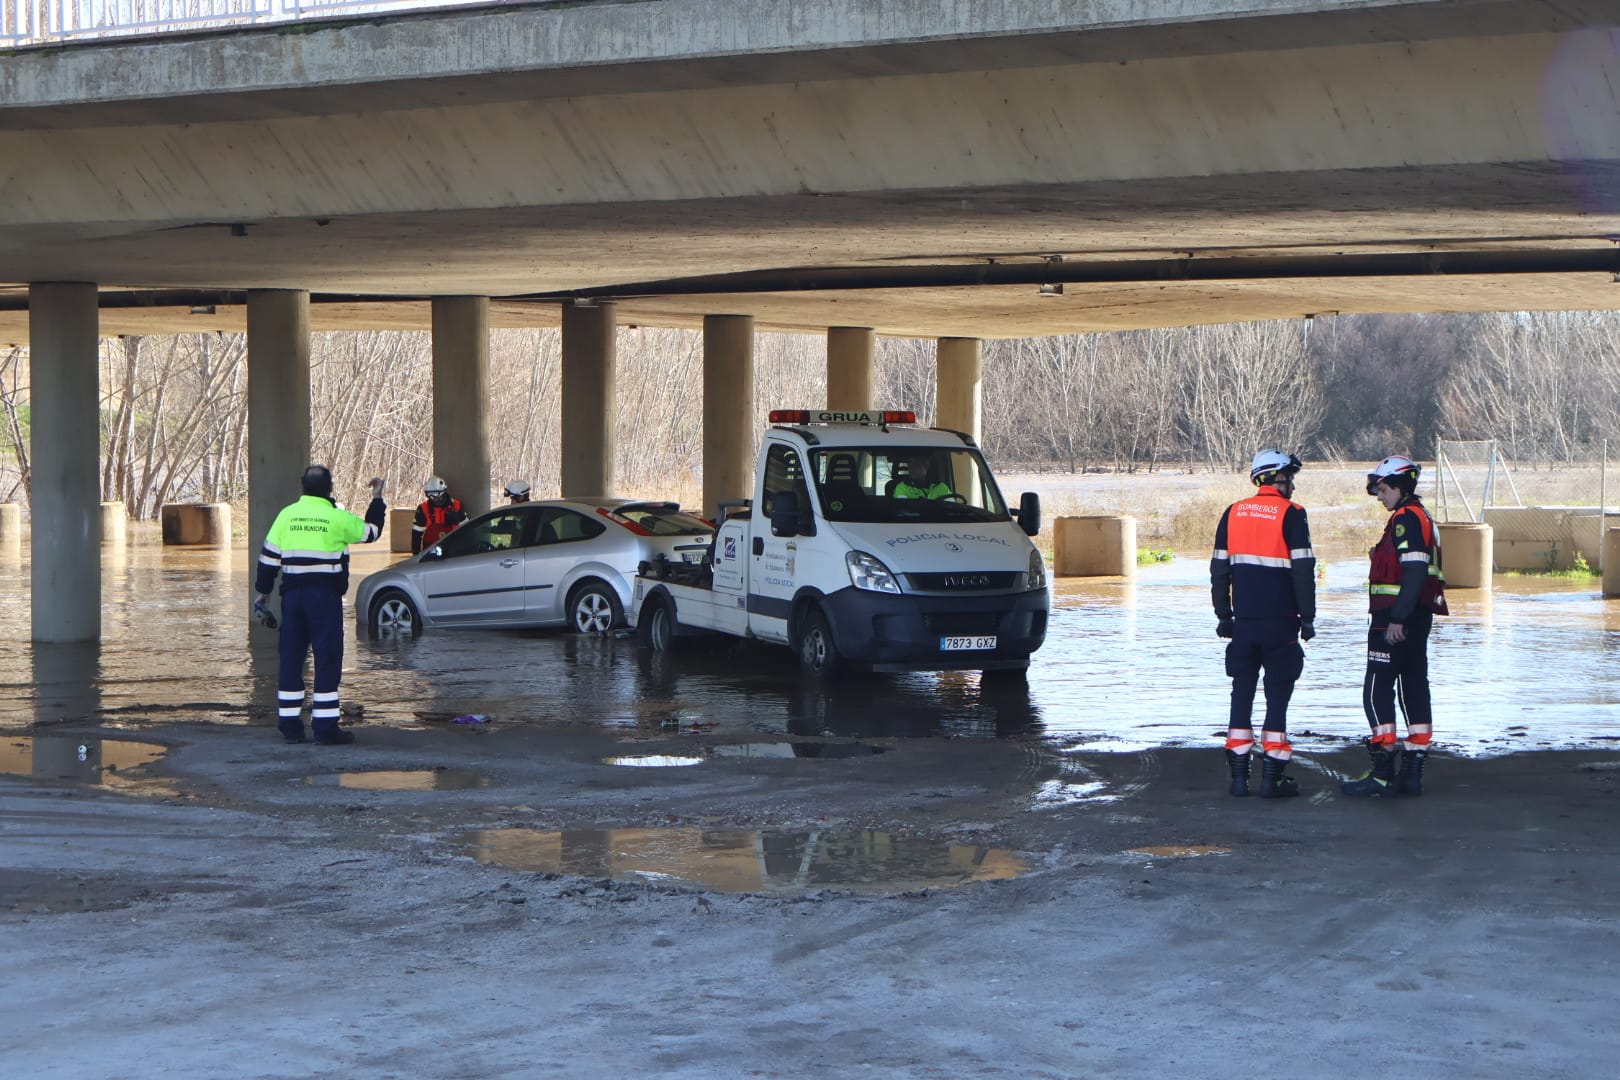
[867,543]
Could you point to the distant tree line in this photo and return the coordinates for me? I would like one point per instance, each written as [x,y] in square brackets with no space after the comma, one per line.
[1546,386]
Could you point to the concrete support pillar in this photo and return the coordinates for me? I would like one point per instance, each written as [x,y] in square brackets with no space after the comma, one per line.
[958,369]
[1468,548]
[196,524]
[1099,546]
[278,411]
[64,334]
[11,527]
[114,523]
[850,368]
[461,398]
[588,357]
[728,404]
[1611,562]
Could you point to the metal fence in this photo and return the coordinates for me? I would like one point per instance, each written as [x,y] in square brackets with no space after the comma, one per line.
[29,22]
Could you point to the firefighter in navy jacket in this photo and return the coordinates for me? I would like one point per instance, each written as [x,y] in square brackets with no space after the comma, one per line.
[308,545]
[1405,591]
[1263,583]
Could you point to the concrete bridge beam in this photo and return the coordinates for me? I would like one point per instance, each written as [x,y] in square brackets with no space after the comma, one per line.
[959,371]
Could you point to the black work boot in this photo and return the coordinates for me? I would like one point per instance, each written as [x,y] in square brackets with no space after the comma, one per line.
[1409,781]
[1273,784]
[1380,779]
[1239,766]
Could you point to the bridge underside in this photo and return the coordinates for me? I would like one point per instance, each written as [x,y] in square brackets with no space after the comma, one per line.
[711,186]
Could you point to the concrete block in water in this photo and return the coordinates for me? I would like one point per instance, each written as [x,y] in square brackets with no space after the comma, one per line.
[1468,550]
[186,524]
[1094,546]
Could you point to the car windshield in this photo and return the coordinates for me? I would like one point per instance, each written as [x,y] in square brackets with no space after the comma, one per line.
[663,519]
[905,484]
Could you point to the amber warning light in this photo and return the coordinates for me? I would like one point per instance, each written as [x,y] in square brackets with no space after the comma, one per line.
[830,416]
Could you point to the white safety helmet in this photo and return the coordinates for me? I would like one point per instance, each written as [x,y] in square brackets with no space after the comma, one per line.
[517,488]
[435,486]
[1269,464]
[1401,472]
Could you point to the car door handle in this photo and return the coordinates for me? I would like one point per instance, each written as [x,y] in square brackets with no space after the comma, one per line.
[759,545]
[509,562]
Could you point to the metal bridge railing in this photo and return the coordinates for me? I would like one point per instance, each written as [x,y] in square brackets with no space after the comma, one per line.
[31,22]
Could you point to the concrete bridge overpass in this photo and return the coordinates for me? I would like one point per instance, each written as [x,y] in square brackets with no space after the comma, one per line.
[922,167]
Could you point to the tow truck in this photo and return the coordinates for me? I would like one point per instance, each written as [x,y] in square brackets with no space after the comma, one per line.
[870,542]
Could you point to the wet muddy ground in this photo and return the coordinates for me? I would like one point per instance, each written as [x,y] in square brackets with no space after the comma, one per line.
[699,865]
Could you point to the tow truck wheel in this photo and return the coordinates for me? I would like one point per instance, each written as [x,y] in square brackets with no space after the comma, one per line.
[657,626]
[393,615]
[593,608]
[817,654]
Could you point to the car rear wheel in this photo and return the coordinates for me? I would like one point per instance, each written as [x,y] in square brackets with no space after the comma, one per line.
[818,655]
[393,615]
[593,608]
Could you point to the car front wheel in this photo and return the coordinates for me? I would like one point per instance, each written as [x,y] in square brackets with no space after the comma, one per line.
[593,608]
[393,615]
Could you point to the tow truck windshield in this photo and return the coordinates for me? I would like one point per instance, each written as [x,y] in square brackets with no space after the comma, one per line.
[905,484]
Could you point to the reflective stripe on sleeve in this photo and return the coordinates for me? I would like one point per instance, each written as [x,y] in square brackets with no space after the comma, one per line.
[1221,553]
[1302,553]
[1415,556]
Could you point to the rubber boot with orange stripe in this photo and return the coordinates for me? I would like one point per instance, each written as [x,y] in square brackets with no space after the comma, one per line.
[1273,784]
[1238,763]
[1409,781]
[1380,779]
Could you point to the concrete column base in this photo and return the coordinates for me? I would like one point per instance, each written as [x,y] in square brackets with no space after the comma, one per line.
[1468,553]
[114,523]
[11,528]
[1100,546]
[400,520]
[1611,562]
[188,524]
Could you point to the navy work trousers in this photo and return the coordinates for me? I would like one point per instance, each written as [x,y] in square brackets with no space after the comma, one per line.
[1272,646]
[311,620]
[1404,668]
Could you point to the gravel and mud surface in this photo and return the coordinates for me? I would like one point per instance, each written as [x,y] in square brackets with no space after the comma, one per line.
[233,909]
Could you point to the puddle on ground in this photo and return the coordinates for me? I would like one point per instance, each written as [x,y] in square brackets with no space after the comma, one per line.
[736,860]
[796,749]
[1181,851]
[652,761]
[85,759]
[402,779]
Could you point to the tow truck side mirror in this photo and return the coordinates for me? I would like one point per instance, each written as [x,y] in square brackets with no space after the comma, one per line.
[784,514]
[1029,513]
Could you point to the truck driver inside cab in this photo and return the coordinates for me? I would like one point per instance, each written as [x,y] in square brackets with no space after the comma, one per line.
[918,481]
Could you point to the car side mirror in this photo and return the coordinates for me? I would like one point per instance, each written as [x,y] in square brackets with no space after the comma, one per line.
[784,514]
[434,552]
[1029,513]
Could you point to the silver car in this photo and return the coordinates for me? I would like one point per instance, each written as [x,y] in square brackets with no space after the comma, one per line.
[556,562]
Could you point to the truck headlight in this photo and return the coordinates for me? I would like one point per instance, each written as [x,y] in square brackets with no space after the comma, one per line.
[1036,577]
[868,572]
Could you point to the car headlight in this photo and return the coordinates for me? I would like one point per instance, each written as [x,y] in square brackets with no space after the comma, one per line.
[1036,577]
[868,572]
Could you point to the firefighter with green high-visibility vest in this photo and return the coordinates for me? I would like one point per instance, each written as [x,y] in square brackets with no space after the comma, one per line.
[308,545]
[1406,590]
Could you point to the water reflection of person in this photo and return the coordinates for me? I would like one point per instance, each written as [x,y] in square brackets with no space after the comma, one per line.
[1406,590]
[1263,582]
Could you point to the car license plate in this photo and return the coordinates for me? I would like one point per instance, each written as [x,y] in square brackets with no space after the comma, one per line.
[958,644]
[693,556]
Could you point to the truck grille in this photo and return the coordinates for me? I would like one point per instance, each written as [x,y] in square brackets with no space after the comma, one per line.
[966,624]
[964,582]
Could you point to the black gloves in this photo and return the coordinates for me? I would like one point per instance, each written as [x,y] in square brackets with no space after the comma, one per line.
[1307,630]
[1224,628]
